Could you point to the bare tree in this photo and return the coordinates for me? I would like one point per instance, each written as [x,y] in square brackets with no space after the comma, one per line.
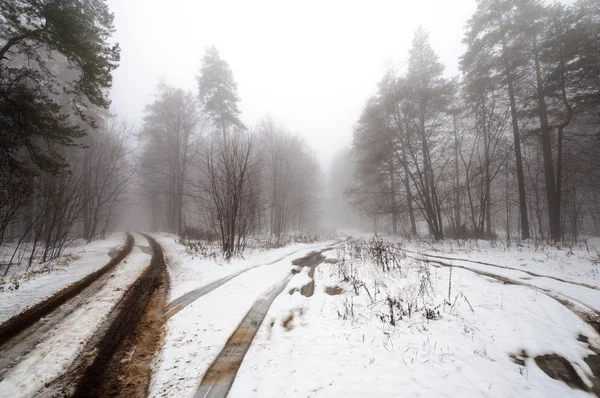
[171,134]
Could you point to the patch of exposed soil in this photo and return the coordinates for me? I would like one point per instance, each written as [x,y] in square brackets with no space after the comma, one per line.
[559,368]
[311,260]
[333,290]
[287,323]
[519,358]
[309,289]
[593,361]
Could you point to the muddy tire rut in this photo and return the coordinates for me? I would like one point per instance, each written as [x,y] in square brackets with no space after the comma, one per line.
[123,357]
[219,377]
[129,370]
[27,318]
[117,360]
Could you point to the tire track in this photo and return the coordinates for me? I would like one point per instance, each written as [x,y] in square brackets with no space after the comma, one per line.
[180,303]
[128,372]
[24,331]
[93,373]
[504,267]
[220,376]
[589,315]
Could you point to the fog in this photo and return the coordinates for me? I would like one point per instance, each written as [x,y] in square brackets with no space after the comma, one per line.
[310,65]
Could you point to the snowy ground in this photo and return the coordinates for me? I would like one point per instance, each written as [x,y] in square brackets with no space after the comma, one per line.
[580,263]
[344,345]
[196,334]
[411,330]
[188,272]
[61,346]
[24,291]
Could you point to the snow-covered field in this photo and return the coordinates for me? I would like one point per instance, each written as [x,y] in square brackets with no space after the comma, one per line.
[447,340]
[23,291]
[61,345]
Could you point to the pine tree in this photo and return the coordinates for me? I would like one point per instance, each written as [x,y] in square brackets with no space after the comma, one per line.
[428,98]
[496,44]
[218,91]
[55,61]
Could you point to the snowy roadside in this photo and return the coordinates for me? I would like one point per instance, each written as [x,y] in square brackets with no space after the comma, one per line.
[64,343]
[344,345]
[195,336]
[80,262]
[578,264]
[588,297]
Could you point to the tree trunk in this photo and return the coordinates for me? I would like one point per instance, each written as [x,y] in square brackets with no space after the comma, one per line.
[457,219]
[553,213]
[487,182]
[411,212]
[559,177]
[393,194]
[524,218]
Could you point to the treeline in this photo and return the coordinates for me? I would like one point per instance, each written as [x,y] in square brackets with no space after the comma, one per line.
[205,174]
[511,146]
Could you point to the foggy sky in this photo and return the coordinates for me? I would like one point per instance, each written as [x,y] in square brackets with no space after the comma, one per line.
[309,64]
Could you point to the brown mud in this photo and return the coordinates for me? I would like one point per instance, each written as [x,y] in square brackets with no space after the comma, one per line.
[119,364]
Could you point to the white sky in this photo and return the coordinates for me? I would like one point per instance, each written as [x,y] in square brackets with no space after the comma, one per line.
[309,64]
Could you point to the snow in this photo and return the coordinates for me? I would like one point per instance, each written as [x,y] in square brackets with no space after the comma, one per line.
[343,345]
[578,264]
[188,272]
[61,346]
[196,334]
[464,353]
[37,287]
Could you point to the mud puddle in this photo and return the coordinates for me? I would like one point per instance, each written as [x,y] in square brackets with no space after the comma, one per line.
[312,260]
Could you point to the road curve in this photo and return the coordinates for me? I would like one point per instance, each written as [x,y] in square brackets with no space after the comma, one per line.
[438,257]
[587,314]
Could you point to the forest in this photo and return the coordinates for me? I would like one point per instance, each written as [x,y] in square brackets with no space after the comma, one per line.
[507,148]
